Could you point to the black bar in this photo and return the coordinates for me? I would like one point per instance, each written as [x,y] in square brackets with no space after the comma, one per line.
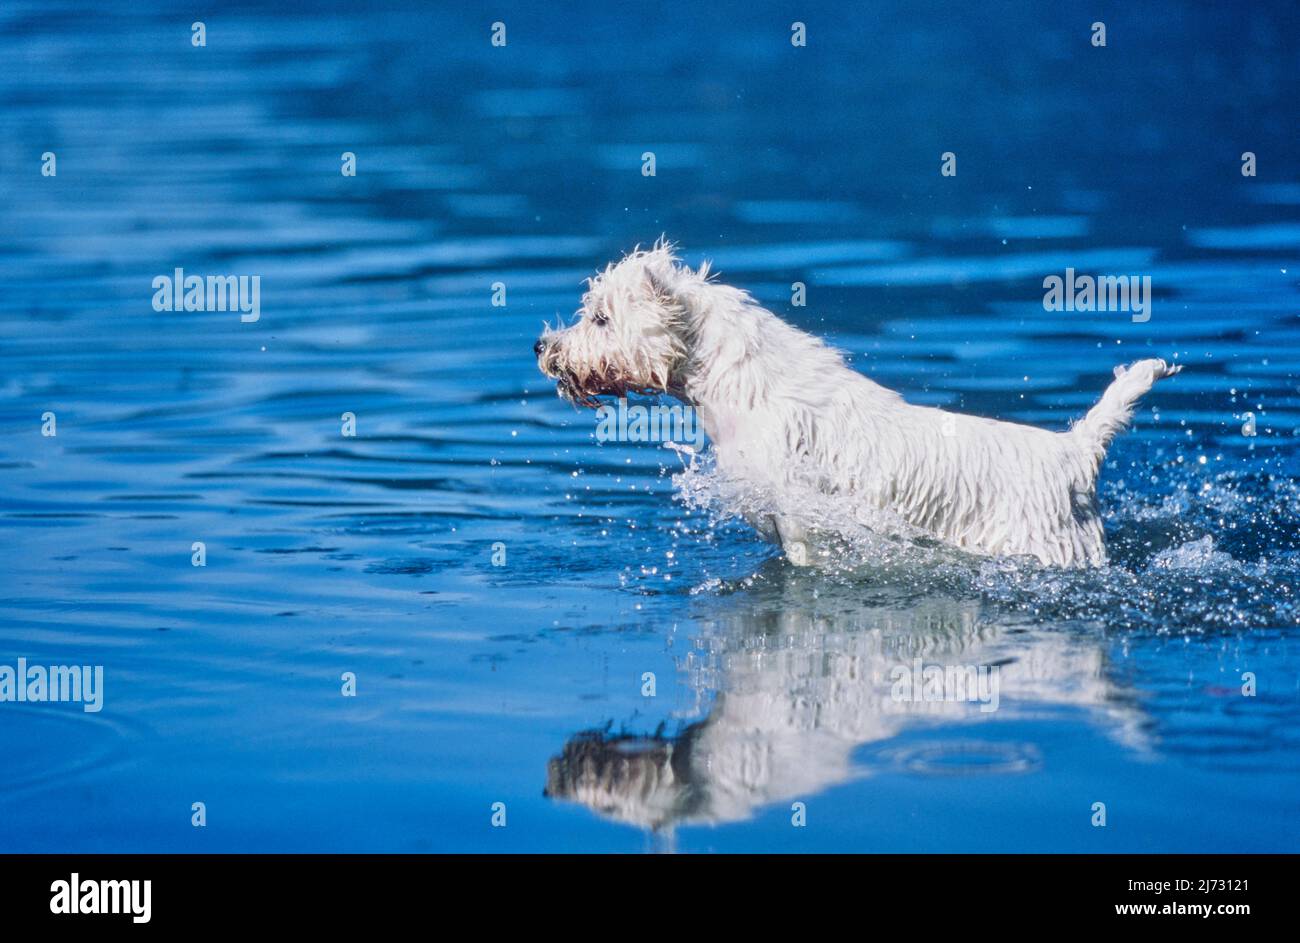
[334,892]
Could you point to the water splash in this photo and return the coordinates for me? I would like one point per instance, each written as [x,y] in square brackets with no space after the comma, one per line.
[1211,553]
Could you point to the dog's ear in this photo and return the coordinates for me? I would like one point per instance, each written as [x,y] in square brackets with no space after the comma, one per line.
[658,282]
[663,273]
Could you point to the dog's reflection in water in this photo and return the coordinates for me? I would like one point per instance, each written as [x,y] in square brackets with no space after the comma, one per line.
[796,689]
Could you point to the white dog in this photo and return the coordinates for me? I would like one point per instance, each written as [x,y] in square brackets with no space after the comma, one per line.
[785,415]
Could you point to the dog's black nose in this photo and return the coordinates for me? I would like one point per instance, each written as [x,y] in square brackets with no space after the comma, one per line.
[537,348]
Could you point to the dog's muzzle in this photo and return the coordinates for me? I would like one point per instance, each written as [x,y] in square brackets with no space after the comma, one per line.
[581,391]
[549,365]
[547,357]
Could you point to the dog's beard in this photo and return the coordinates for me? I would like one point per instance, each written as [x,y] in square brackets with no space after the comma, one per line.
[584,390]
[577,394]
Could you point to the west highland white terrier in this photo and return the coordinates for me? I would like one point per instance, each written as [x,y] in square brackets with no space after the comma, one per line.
[786,415]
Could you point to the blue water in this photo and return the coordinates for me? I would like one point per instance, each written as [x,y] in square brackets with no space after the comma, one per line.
[523,683]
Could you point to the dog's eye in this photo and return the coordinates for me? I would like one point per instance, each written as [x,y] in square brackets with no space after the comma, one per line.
[600,319]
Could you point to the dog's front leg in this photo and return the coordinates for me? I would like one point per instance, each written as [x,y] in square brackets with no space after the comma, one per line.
[794,540]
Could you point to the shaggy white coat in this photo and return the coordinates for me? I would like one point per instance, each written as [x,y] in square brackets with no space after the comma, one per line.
[786,414]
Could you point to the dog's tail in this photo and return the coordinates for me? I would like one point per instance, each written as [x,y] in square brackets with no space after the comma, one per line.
[1115,408]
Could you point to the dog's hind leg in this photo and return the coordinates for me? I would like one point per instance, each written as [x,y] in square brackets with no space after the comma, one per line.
[794,540]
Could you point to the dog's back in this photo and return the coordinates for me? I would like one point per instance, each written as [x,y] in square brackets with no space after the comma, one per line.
[982,485]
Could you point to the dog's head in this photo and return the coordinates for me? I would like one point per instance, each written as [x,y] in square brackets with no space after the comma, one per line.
[632,331]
